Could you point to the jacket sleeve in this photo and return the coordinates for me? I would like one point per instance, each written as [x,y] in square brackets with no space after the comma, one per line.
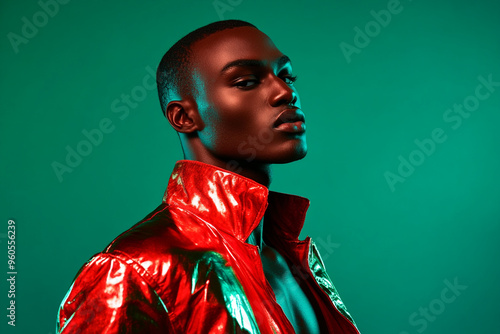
[109,296]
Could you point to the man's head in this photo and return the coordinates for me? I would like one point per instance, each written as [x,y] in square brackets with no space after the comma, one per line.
[228,91]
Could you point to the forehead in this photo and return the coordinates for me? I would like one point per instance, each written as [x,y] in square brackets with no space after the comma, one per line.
[211,54]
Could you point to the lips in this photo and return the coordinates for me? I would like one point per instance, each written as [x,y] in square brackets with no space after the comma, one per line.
[290,120]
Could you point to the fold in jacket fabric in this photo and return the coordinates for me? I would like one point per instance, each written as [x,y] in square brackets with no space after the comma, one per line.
[186,268]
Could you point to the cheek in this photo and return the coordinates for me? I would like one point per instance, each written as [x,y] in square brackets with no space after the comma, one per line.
[229,120]
[238,113]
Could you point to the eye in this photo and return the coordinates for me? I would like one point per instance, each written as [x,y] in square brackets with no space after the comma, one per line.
[246,83]
[289,79]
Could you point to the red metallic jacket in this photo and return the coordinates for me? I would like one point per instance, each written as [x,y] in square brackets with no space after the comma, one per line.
[186,267]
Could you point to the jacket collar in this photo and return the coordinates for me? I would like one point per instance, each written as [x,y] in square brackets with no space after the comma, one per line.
[233,203]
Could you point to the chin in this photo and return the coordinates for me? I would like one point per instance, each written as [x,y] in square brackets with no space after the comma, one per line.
[298,156]
[291,154]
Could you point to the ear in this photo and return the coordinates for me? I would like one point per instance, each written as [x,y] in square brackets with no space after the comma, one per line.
[183,116]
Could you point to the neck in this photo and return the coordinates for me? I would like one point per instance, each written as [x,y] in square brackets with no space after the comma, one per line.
[259,172]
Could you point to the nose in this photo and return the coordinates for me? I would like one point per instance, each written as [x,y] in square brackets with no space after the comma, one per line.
[282,93]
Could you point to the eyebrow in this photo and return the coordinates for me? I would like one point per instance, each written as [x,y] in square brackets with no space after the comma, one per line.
[254,63]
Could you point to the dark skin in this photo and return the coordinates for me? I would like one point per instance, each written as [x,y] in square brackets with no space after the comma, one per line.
[243,114]
[231,115]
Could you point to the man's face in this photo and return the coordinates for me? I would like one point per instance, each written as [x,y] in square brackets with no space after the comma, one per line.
[246,99]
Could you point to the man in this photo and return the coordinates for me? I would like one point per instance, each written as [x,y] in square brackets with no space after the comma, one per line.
[221,253]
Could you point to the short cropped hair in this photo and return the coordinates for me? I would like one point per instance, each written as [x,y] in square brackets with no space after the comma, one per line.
[174,71]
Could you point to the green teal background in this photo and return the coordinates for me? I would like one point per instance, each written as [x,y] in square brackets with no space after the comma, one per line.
[390,251]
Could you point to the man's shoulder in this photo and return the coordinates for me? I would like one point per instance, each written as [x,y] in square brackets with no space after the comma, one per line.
[167,243]
[163,230]
[169,237]
[144,235]
[169,234]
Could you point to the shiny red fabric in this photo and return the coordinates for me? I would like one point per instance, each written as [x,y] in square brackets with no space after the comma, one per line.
[186,267]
